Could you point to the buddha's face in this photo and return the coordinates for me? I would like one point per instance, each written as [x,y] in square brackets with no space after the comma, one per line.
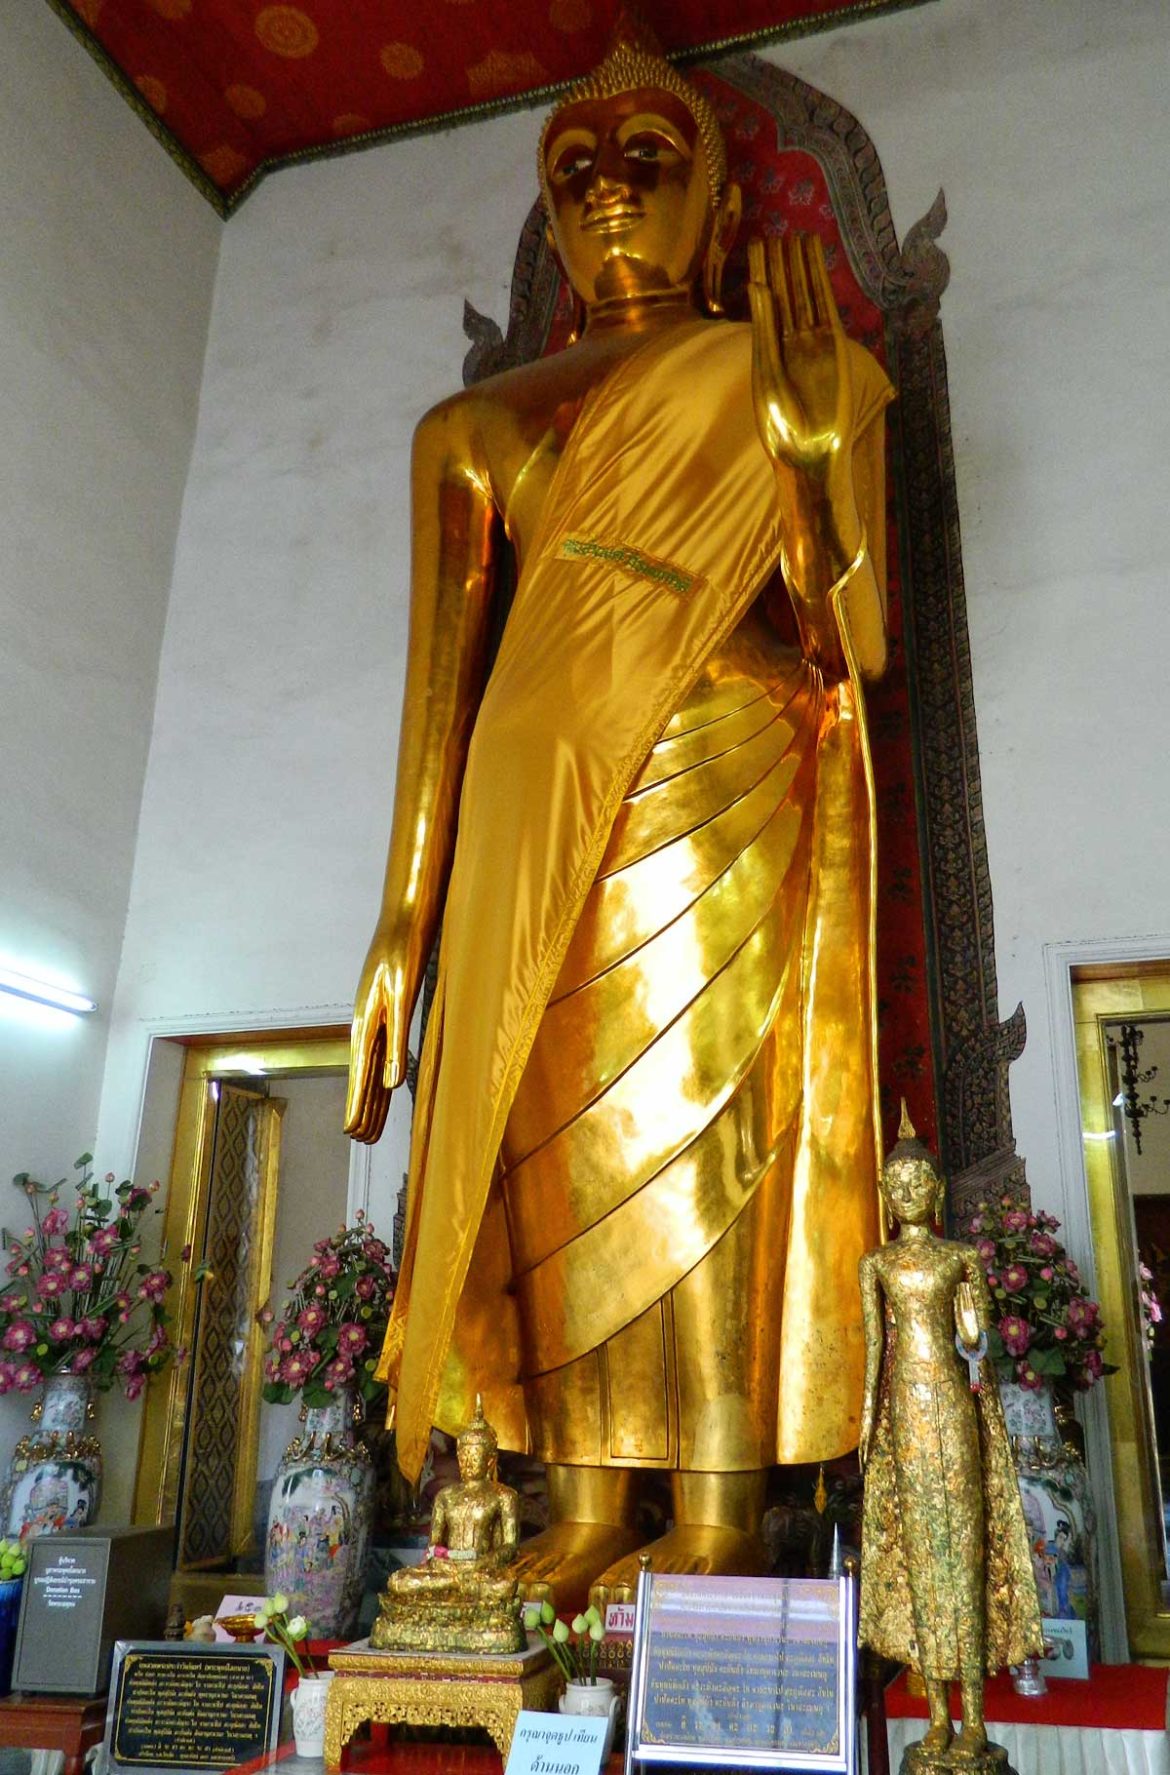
[475,1459]
[911,1190]
[631,205]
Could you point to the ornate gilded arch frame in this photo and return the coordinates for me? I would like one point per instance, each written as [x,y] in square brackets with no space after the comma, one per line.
[967,1105]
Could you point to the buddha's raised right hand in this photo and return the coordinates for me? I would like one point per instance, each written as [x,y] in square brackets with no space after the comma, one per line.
[803,391]
[377,1058]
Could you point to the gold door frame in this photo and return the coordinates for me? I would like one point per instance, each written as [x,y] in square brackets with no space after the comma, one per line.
[1104,995]
[275,1056]
[269,1112]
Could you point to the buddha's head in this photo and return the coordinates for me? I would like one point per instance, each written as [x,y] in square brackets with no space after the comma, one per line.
[912,1189]
[634,175]
[476,1447]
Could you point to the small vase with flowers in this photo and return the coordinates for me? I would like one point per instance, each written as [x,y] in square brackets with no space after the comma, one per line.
[324,1346]
[83,1311]
[1046,1344]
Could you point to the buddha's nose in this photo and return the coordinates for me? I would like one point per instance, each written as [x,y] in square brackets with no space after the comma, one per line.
[610,172]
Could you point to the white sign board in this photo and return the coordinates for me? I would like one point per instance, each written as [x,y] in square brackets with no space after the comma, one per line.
[557,1744]
[1066,1648]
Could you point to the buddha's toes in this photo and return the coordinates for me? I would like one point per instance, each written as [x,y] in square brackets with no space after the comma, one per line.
[689,1547]
[559,1565]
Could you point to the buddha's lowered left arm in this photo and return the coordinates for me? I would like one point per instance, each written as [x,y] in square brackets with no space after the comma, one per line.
[872,1318]
[453,521]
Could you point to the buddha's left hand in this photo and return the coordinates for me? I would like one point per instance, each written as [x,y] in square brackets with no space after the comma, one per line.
[802,384]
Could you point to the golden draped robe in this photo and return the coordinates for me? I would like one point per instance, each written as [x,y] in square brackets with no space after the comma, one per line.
[645,1147]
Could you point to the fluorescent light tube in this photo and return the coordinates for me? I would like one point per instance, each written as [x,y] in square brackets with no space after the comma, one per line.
[43,992]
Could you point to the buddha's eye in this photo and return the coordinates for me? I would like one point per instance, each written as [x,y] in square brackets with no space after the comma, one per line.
[572,162]
[651,149]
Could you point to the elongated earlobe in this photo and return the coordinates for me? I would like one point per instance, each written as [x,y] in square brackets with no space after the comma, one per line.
[713,279]
[722,240]
[578,302]
[579,317]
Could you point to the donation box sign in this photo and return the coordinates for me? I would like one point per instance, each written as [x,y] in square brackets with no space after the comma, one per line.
[745,1672]
[83,1592]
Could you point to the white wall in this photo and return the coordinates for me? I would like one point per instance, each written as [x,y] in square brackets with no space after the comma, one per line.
[105,290]
[337,321]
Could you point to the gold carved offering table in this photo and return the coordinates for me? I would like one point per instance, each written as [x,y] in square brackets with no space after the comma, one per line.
[436,1689]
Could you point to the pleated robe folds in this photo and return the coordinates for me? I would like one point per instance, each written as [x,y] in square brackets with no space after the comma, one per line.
[563,1188]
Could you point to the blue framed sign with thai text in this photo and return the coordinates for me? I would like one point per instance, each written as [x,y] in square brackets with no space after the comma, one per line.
[744,1672]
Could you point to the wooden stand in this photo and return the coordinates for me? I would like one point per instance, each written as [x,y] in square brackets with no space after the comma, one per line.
[72,1724]
[435,1689]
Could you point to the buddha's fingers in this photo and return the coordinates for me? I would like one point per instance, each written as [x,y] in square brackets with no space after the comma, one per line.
[760,292]
[358,1091]
[765,344]
[379,1110]
[757,271]
[824,301]
[778,284]
[359,1126]
[774,398]
[366,1057]
[802,307]
[369,1099]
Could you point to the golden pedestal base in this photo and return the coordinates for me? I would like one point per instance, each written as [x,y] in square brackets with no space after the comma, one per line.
[435,1689]
[918,1761]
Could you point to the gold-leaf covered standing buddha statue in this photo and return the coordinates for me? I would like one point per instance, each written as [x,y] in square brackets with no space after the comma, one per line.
[462,1598]
[645,1149]
[946,1569]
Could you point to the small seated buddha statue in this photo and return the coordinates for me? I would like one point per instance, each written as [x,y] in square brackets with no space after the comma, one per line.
[462,1598]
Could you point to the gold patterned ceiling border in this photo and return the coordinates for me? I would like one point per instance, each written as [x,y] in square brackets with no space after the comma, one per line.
[225,204]
[183,159]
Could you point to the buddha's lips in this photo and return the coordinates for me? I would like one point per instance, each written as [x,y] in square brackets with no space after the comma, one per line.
[612,219]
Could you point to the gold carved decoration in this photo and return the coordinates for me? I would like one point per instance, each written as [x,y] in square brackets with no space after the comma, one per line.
[435,1689]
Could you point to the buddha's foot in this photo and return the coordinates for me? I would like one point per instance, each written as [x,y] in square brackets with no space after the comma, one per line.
[970,1745]
[937,1737]
[559,1564]
[689,1547]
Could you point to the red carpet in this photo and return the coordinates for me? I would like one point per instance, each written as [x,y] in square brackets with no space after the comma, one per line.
[1131,1696]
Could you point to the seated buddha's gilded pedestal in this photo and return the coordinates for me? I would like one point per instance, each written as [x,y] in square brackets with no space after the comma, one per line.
[436,1689]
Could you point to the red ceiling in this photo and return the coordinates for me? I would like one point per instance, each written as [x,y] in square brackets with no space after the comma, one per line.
[239,86]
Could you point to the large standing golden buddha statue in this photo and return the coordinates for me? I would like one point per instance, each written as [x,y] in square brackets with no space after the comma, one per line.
[645,1151]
